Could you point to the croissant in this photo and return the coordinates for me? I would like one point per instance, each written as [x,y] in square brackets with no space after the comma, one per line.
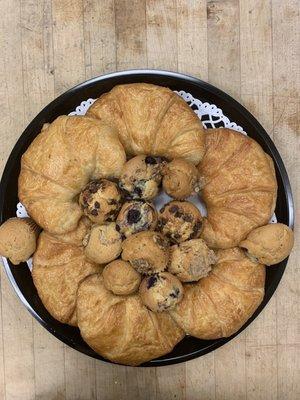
[61,160]
[151,120]
[59,265]
[219,305]
[121,328]
[239,190]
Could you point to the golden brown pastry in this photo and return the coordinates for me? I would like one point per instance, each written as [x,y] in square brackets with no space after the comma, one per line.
[151,120]
[103,243]
[60,161]
[100,200]
[269,244]
[191,260]
[180,179]
[121,278]
[18,238]
[136,216]
[219,305]
[77,236]
[147,252]
[180,221]
[240,187]
[161,292]
[141,177]
[59,265]
[121,328]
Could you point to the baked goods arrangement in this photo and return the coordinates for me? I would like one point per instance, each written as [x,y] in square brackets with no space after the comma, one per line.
[135,279]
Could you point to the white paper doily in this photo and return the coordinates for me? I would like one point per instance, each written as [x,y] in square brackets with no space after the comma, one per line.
[211,117]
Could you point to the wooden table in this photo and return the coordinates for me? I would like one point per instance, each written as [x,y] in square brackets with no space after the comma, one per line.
[249,48]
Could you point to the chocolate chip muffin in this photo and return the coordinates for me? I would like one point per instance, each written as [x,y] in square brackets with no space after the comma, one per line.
[191,260]
[136,216]
[100,200]
[161,292]
[180,179]
[147,252]
[102,243]
[121,278]
[269,244]
[180,221]
[141,177]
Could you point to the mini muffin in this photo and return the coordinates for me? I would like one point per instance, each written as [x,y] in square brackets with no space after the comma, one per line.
[180,179]
[269,244]
[141,177]
[180,221]
[18,237]
[103,243]
[147,252]
[121,278]
[191,260]
[100,200]
[161,292]
[136,216]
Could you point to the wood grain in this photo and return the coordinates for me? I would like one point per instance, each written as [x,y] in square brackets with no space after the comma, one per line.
[257,95]
[223,24]
[17,329]
[99,37]
[161,20]
[286,87]
[192,38]
[249,49]
[130,34]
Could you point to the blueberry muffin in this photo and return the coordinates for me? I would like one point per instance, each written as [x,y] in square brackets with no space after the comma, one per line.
[141,177]
[100,200]
[161,292]
[136,216]
[180,221]
[147,252]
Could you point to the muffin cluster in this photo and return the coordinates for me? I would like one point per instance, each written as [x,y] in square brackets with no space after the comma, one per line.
[147,251]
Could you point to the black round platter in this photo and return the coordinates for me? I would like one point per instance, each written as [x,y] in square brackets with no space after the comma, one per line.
[20,276]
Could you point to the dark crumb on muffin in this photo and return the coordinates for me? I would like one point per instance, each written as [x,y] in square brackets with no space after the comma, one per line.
[97,204]
[133,216]
[95,185]
[173,209]
[150,160]
[187,218]
[94,212]
[118,228]
[112,202]
[161,241]
[113,213]
[175,293]
[151,281]
[178,214]
[196,229]
[161,223]
[138,191]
